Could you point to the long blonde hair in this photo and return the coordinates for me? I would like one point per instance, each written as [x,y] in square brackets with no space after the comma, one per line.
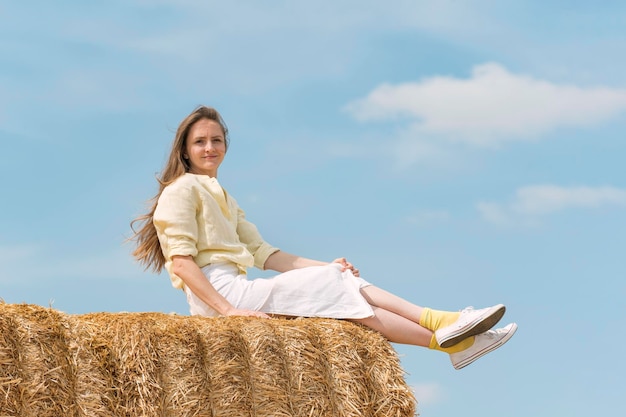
[148,251]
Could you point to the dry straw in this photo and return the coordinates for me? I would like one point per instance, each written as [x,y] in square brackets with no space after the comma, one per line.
[154,364]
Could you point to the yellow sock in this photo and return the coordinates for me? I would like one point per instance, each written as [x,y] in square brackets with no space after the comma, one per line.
[462,345]
[436,319]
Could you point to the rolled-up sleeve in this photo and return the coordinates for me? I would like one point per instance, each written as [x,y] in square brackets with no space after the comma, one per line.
[249,235]
[175,222]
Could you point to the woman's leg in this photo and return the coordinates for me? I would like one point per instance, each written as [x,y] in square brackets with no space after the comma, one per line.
[380,298]
[399,320]
[449,327]
[397,328]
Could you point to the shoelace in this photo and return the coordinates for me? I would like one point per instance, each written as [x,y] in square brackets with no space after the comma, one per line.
[491,334]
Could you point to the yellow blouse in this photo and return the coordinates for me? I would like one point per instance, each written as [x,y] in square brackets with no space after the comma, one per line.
[195,216]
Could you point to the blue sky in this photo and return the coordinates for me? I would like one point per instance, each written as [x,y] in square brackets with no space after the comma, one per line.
[459,153]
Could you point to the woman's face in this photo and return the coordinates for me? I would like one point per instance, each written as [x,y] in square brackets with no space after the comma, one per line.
[205,147]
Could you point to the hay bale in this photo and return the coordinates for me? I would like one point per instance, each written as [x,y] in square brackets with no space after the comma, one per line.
[154,364]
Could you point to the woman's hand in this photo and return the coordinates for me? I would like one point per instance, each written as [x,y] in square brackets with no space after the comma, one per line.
[347,265]
[246,313]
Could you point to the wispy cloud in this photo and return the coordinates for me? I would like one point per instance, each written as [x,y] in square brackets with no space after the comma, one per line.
[428,394]
[491,107]
[538,200]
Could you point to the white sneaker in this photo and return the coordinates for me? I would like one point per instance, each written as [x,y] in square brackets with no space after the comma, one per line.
[483,344]
[470,323]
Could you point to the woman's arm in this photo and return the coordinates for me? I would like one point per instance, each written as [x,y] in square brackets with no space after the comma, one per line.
[193,277]
[282,262]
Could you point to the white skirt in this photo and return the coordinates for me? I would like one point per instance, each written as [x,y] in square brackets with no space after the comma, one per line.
[319,291]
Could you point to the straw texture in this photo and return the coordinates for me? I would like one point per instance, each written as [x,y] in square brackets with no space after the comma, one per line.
[155,364]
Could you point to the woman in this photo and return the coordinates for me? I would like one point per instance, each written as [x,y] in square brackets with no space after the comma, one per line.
[200,235]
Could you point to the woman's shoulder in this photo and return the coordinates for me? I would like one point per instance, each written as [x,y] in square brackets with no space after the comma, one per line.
[182,184]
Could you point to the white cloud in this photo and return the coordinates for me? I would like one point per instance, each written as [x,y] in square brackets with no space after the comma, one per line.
[492,106]
[408,150]
[536,200]
[427,394]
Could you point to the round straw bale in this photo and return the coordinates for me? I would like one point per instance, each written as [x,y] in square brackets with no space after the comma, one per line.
[10,376]
[308,374]
[91,358]
[268,370]
[42,364]
[182,369]
[155,364]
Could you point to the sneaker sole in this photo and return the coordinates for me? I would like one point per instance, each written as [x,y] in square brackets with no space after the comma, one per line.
[487,349]
[472,329]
